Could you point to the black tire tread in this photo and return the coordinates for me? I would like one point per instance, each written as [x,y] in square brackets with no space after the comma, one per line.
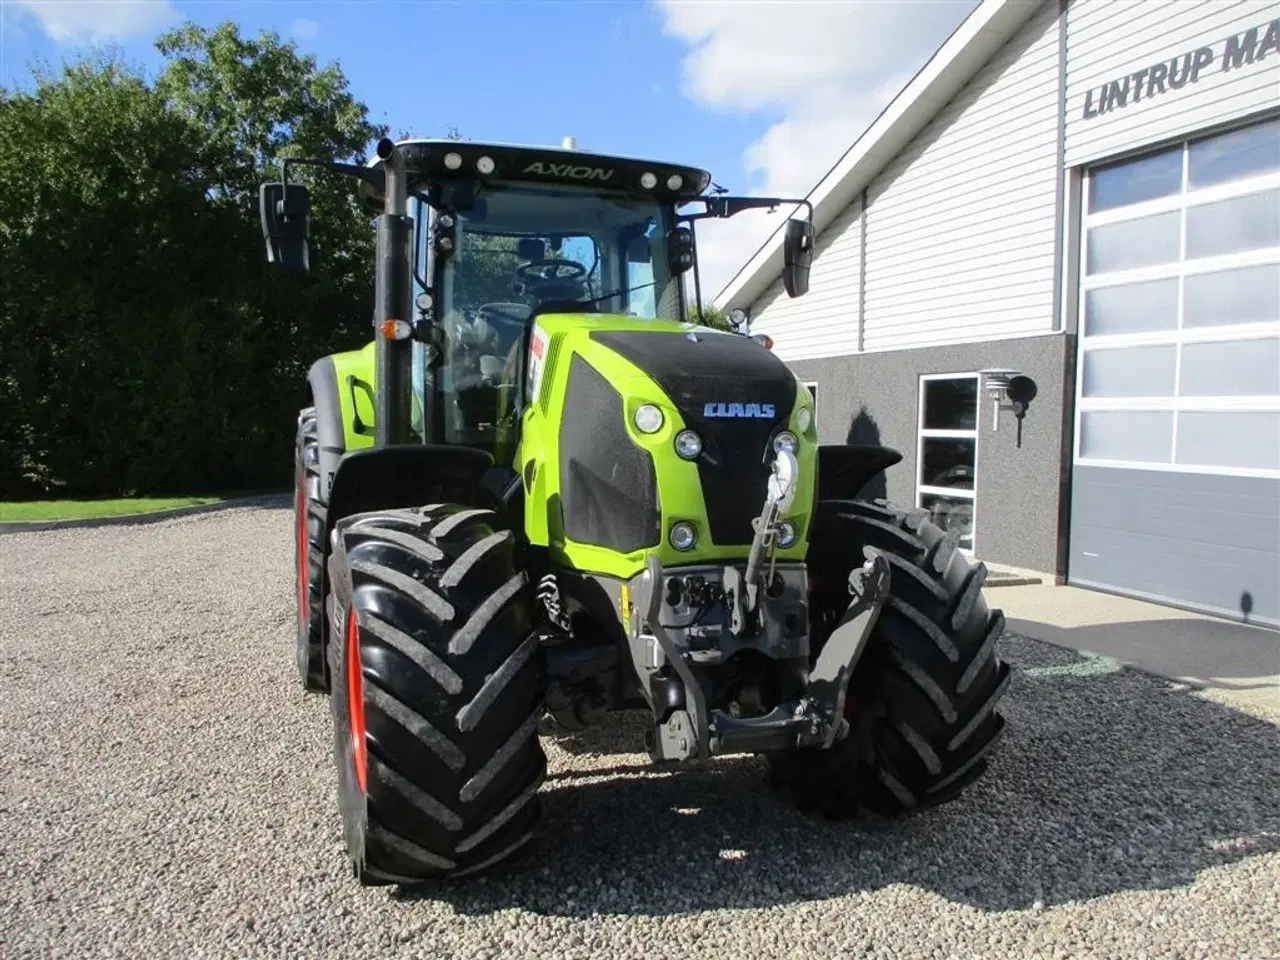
[453,691]
[312,664]
[923,697]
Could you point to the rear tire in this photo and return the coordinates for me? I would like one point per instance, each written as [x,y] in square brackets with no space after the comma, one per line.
[921,702]
[308,534]
[438,688]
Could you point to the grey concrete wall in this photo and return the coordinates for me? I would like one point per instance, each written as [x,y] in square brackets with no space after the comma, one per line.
[874,398]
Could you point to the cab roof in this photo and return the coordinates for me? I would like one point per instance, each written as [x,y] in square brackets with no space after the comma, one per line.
[436,160]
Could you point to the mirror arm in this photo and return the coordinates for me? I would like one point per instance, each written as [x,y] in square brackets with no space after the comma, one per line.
[725,207]
[697,279]
[374,176]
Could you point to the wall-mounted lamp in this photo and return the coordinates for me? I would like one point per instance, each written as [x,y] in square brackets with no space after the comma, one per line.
[1008,390]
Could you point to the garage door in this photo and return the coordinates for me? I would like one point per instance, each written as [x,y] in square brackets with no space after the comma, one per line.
[1176,475]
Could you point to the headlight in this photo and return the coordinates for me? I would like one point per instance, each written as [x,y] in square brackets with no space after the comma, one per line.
[648,418]
[688,444]
[786,534]
[786,440]
[682,536]
[803,419]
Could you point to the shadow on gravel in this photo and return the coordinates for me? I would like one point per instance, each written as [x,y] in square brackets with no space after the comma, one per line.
[1108,780]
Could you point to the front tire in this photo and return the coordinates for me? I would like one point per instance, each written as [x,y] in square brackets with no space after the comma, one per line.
[922,700]
[437,694]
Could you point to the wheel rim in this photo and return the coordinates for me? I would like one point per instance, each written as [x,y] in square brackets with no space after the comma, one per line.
[355,698]
[300,512]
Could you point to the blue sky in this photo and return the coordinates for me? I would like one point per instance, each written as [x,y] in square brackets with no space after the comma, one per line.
[766,94]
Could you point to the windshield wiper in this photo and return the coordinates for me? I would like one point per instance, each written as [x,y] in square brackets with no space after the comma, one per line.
[617,293]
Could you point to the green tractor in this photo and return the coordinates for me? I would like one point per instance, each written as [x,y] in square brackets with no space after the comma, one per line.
[541,489]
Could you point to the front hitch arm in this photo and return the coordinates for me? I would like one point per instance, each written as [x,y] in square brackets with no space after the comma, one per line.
[697,699]
[829,679]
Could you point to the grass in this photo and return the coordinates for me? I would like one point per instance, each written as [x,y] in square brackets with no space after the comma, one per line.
[41,511]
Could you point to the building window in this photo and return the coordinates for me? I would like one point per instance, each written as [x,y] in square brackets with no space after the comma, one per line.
[1180,308]
[947,452]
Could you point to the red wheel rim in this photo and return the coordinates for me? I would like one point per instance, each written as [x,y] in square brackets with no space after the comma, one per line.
[355,698]
[300,511]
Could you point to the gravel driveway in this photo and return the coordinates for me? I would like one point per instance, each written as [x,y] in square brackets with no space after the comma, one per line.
[166,790]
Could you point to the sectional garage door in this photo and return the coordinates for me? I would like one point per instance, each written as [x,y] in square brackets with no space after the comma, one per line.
[1176,477]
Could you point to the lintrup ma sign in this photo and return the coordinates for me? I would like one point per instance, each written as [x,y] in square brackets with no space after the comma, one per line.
[1238,51]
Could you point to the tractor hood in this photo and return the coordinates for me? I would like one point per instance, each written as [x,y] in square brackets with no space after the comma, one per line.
[736,394]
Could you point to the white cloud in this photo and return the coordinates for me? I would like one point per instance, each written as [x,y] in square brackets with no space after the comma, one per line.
[99,21]
[828,67]
[305,29]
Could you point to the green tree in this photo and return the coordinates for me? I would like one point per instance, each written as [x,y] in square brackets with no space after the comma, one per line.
[98,219]
[145,345]
[711,316]
[258,101]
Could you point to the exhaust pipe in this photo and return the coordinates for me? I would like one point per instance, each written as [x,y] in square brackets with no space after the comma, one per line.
[393,303]
[396,196]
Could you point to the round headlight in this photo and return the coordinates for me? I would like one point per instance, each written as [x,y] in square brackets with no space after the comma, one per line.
[485,165]
[675,182]
[786,534]
[803,419]
[786,440]
[648,418]
[682,536]
[688,444]
[648,181]
[453,160]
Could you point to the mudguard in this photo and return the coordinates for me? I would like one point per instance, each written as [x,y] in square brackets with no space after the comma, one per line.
[845,468]
[408,475]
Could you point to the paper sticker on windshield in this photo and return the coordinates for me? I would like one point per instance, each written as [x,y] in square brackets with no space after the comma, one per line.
[538,344]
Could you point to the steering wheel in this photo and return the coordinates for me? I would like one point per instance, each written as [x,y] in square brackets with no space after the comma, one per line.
[551,270]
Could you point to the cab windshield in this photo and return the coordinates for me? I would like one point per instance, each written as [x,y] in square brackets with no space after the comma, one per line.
[537,245]
[523,248]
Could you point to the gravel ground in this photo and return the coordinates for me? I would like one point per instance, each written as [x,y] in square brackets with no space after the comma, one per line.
[166,790]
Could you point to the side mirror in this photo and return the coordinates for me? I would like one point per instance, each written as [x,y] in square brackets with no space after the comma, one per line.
[797,256]
[286,224]
[680,255]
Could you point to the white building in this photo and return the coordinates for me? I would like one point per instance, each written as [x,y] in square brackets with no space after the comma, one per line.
[1086,192]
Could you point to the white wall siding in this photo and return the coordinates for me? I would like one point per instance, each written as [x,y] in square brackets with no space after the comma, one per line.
[1111,40]
[824,322]
[961,225]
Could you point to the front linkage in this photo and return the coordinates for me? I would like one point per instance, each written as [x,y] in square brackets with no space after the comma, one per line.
[757,608]
[816,718]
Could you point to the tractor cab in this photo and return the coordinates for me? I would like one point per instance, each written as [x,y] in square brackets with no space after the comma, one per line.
[476,241]
[542,232]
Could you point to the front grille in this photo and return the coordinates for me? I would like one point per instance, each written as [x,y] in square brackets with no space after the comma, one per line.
[719,369]
[734,466]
